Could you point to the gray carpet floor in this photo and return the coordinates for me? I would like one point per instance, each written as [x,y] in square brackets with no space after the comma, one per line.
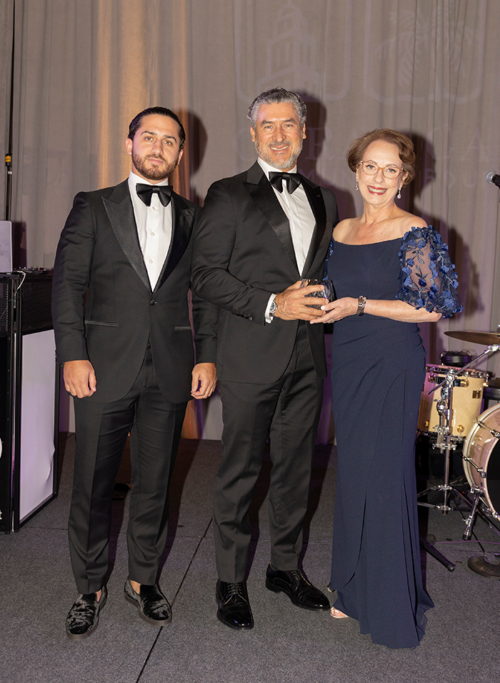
[289,645]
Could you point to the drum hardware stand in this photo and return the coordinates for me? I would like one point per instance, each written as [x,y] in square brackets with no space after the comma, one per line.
[446,442]
[475,511]
[425,545]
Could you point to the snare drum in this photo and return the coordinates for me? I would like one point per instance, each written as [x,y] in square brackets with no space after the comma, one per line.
[465,402]
[482,453]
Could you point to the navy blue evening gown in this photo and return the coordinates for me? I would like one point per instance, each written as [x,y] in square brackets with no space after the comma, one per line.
[378,370]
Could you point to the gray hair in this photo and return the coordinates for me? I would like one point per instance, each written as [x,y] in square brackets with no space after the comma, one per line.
[275,96]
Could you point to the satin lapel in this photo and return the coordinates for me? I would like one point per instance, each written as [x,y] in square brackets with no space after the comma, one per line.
[263,195]
[317,203]
[121,216]
[182,224]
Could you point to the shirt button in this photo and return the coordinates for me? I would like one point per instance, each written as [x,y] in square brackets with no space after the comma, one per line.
[153,234]
[150,260]
[154,208]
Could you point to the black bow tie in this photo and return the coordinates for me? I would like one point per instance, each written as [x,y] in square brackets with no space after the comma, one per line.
[145,192]
[293,180]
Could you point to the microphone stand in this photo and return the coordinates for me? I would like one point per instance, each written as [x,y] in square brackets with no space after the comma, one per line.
[8,155]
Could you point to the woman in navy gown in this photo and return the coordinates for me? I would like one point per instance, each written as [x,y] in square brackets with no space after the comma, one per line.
[390,272]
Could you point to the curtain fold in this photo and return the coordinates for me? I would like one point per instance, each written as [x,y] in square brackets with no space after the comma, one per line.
[426,67]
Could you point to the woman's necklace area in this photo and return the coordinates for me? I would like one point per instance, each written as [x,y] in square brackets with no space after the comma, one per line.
[378,229]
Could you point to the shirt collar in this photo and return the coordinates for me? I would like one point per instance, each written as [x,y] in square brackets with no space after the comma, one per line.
[134,179]
[267,168]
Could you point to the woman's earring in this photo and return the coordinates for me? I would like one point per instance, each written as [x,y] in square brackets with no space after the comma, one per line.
[356,187]
[399,193]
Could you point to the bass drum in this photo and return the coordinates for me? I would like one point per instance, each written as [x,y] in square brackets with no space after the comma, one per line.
[482,452]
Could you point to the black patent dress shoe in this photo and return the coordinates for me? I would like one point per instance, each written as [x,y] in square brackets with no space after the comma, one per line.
[151,604]
[297,587]
[233,605]
[83,617]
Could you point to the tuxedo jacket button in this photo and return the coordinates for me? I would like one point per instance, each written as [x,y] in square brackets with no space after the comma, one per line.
[152,302]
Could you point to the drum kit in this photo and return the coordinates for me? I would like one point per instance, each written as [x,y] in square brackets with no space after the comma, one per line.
[453,418]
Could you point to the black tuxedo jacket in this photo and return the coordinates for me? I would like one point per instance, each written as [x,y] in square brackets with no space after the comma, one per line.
[103,307]
[243,253]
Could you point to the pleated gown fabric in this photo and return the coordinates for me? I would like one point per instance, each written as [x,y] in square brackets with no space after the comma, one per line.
[378,370]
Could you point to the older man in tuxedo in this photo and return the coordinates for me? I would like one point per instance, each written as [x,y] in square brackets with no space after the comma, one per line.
[123,334]
[259,234]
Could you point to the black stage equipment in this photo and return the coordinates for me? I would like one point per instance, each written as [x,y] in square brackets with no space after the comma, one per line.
[29,398]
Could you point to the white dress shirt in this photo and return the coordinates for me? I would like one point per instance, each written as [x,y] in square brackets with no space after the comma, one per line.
[154,228]
[300,216]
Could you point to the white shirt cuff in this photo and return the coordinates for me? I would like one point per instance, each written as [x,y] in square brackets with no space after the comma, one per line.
[269,318]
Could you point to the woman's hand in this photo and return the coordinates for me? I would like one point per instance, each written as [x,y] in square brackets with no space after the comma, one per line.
[395,310]
[336,310]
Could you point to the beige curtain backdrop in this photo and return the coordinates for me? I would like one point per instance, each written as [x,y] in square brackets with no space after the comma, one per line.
[84,68]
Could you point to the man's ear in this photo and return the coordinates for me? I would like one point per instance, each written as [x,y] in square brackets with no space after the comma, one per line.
[128,145]
[252,133]
[304,131]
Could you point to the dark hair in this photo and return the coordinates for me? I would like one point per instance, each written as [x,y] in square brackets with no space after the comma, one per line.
[161,111]
[275,96]
[402,142]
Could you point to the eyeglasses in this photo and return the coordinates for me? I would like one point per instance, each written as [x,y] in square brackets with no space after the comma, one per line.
[371,168]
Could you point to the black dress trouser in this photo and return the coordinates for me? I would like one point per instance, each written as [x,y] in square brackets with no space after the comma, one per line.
[288,412]
[101,432]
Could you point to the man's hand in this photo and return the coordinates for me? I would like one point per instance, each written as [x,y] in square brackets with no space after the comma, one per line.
[79,378]
[294,304]
[204,380]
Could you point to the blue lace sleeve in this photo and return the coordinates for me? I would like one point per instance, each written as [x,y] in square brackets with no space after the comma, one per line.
[428,277]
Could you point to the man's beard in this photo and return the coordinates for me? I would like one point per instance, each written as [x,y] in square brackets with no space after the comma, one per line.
[281,165]
[153,172]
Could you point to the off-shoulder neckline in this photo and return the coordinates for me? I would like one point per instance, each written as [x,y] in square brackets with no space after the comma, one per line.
[395,239]
[368,244]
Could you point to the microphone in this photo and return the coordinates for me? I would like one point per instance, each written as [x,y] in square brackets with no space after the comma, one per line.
[493,178]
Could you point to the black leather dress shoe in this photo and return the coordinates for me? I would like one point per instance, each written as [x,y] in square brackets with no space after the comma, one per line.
[233,605]
[297,587]
[152,605]
[83,617]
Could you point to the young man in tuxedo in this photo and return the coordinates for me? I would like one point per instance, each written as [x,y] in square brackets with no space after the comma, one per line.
[259,234]
[121,319]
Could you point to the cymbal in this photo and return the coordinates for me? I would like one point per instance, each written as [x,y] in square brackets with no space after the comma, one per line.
[476,337]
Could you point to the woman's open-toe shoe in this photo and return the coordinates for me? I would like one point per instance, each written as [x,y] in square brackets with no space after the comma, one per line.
[337,614]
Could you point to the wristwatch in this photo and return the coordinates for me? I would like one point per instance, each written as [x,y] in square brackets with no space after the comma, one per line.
[273,308]
[361,305]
